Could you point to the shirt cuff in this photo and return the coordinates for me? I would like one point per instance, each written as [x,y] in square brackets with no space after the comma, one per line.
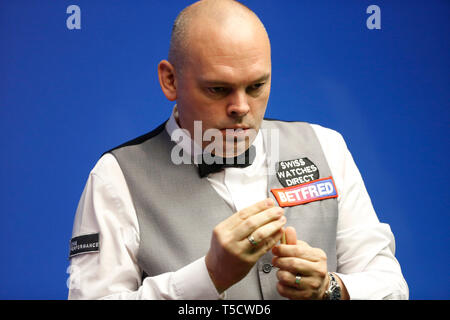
[363,286]
[193,282]
[355,290]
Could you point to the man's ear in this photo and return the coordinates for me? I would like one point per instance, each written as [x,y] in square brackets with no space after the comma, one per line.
[166,75]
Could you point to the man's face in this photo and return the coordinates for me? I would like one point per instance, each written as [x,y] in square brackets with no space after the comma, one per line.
[225,84]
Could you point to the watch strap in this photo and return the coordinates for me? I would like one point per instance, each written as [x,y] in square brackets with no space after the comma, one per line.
[334,290]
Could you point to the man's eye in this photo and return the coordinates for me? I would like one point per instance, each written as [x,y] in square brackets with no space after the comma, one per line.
[255,87]
[217,90]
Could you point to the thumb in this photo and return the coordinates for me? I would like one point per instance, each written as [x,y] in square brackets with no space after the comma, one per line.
[291,235]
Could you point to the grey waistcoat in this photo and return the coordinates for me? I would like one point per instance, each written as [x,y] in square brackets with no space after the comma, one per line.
[177,210]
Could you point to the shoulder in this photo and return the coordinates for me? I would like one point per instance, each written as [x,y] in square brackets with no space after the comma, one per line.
[324,134]
[331,141]
[141,139]
[106,166]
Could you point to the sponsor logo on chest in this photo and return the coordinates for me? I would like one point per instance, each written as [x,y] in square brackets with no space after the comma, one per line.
[300,179]
[297,171]
[307,192]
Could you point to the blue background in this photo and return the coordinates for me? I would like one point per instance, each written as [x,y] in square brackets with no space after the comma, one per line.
[66,96]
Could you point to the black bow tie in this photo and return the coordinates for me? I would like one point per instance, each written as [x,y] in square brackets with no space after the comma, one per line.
[241,161]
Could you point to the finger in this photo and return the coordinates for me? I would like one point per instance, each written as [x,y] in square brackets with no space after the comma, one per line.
[292,293]
[302,250]
[265,245]
[288,279]
[267,230]
[245,213]
[295,265]
[291,235]
[256,208]
[283,238]
[250,225]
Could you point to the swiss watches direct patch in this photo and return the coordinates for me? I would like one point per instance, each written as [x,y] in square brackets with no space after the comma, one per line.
[84,244]
[297,171]
[308,192]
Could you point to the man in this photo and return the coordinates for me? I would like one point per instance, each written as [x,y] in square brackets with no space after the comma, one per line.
[148,227]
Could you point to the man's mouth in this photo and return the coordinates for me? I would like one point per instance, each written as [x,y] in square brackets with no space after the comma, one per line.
[236,131]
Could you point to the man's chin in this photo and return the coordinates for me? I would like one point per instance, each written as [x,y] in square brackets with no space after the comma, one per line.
[233,147]
[232,144]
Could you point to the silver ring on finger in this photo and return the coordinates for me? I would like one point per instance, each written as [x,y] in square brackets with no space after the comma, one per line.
[297,279]
[252,240]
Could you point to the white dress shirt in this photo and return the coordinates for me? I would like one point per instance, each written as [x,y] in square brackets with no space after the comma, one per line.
[365,247]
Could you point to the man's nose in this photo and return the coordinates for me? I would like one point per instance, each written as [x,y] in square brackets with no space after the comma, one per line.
[238,105]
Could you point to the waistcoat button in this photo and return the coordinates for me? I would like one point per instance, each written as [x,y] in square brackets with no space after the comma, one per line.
[267,267]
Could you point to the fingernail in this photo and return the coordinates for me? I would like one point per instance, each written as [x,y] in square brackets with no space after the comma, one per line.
[269,202]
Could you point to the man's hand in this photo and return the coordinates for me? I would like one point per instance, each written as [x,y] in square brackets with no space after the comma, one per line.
[231,255]
[298,258]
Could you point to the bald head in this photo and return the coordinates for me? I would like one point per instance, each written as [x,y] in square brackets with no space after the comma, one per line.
[212,22]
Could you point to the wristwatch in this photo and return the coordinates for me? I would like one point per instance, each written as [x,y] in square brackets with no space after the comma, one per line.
[334,290]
